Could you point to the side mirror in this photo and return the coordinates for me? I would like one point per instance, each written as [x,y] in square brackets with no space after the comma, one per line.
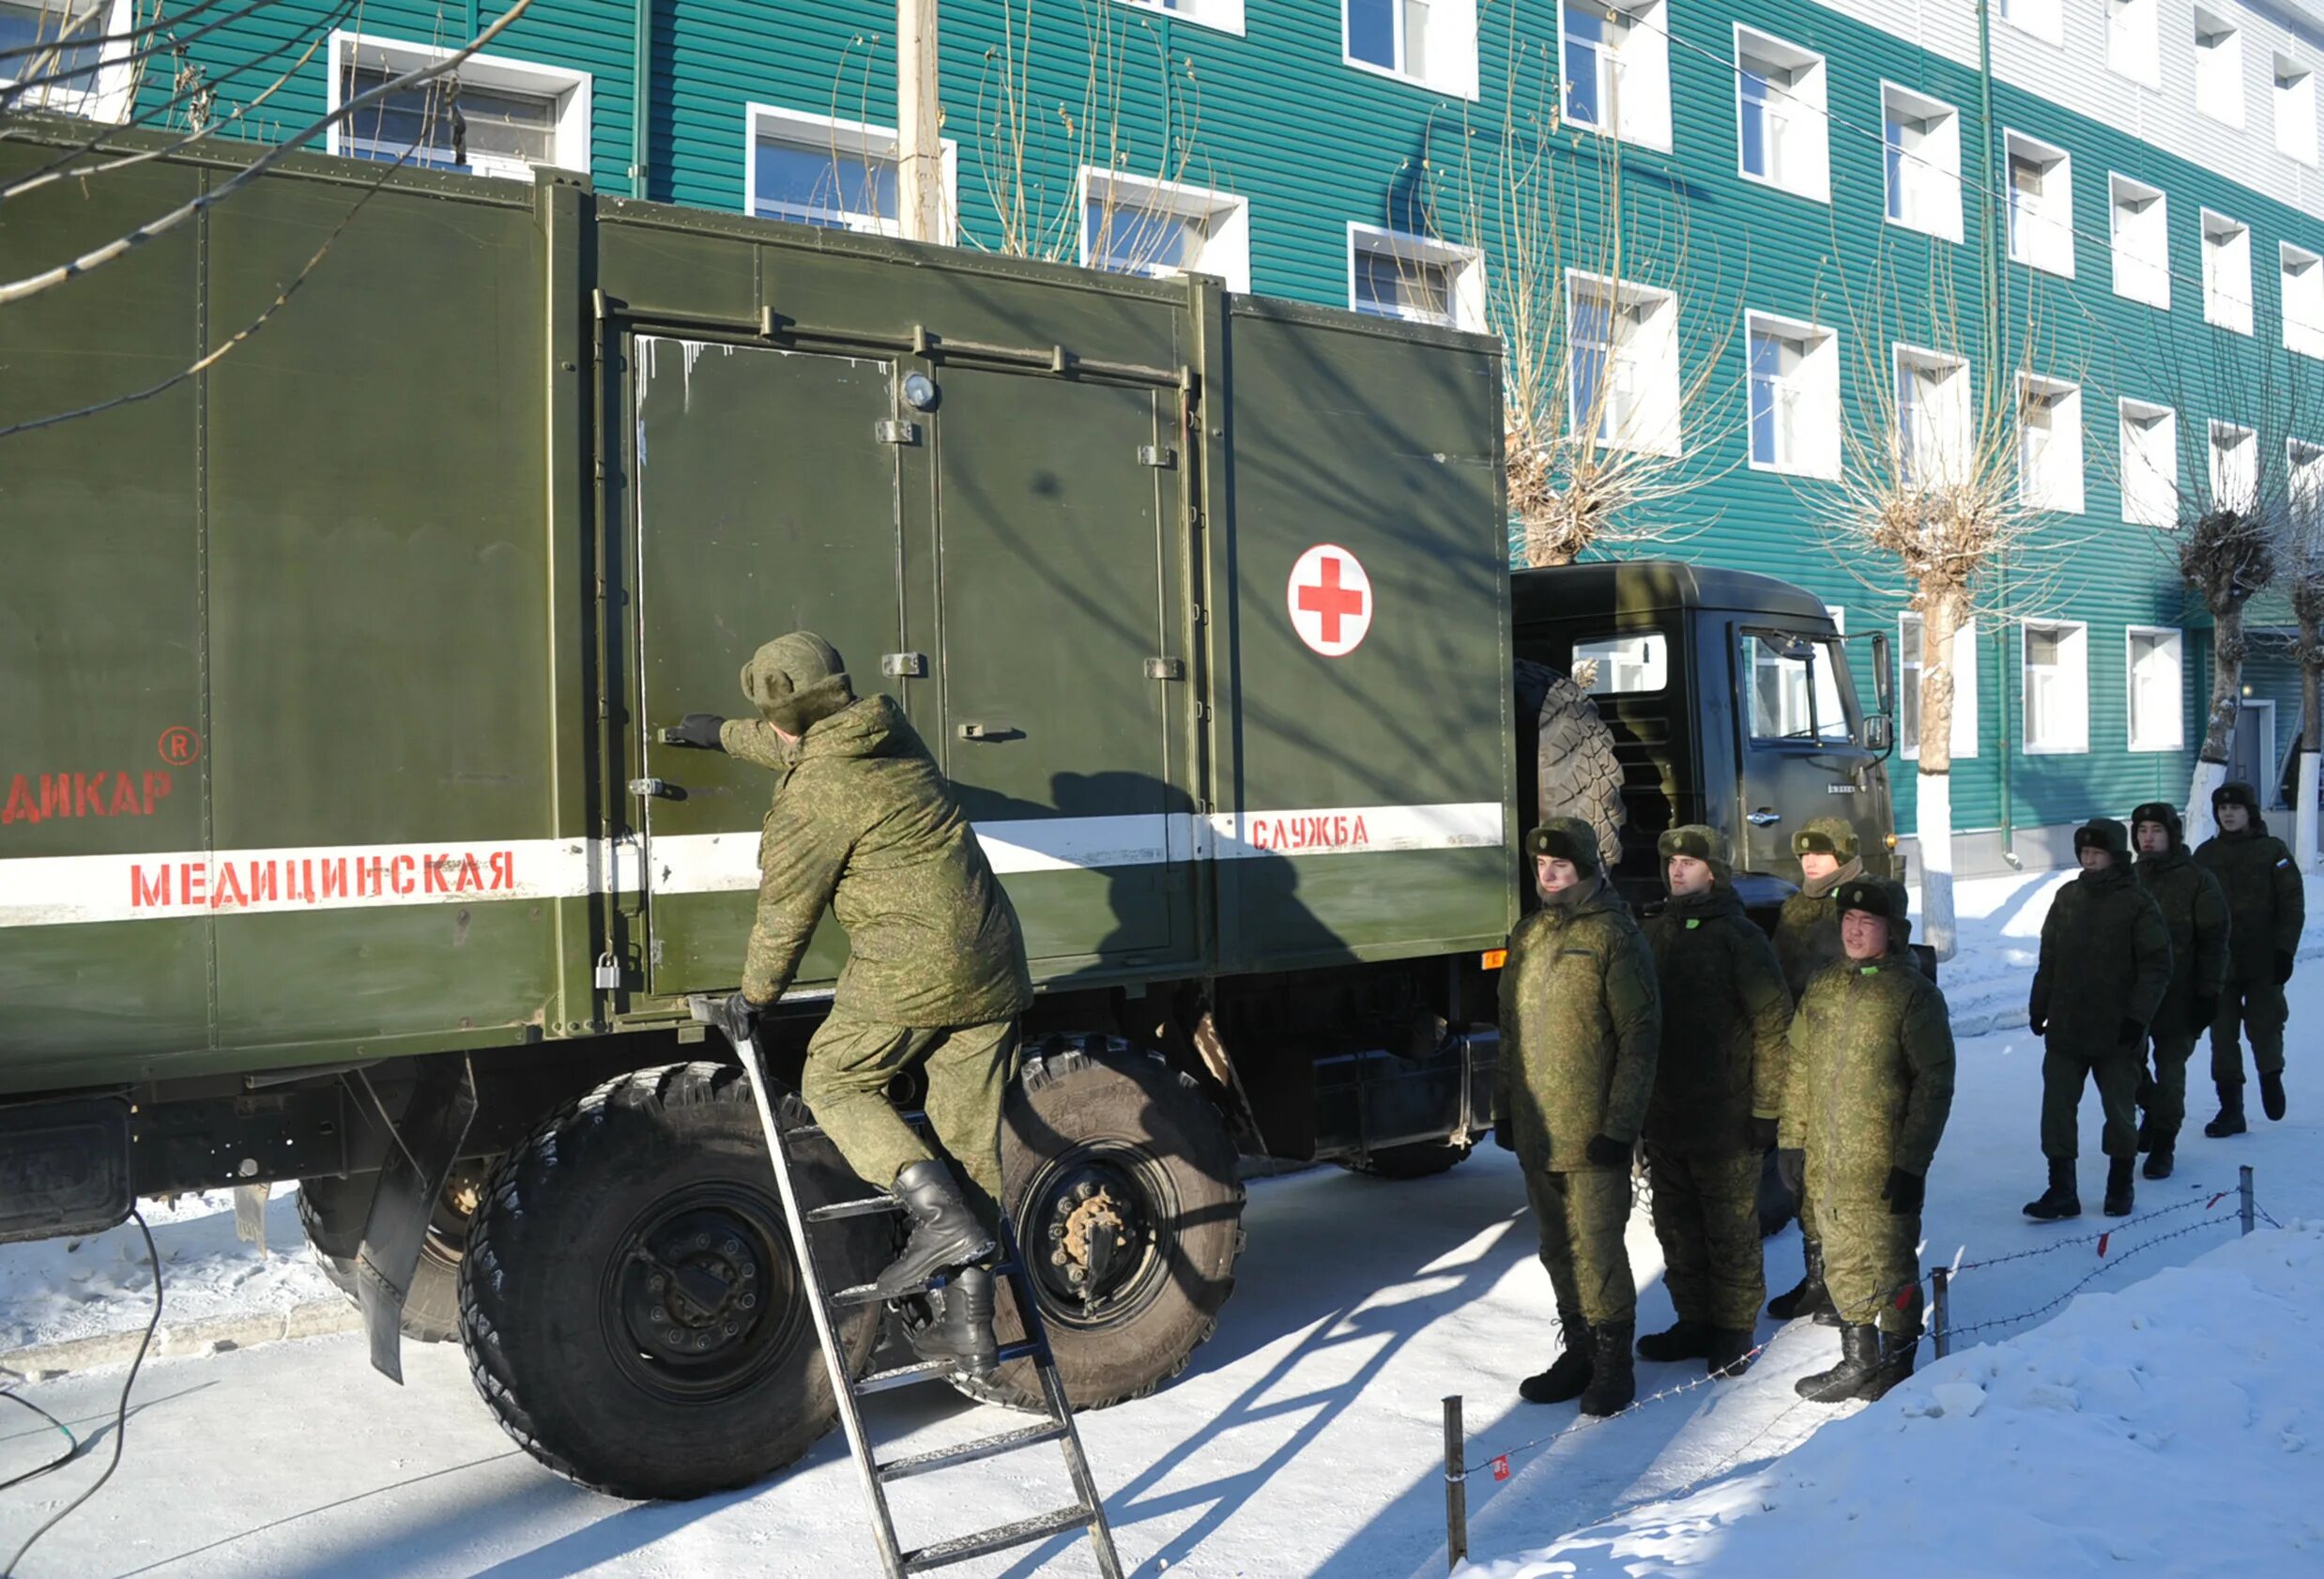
[1879,732]
[1884,682]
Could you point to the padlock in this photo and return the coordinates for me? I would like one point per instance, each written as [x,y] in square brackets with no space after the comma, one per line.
[609,973]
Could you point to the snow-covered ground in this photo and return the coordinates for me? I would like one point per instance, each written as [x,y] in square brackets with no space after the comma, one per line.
[2163,1419]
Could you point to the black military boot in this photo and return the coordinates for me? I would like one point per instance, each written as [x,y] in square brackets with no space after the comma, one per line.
[1809,1298]
[2119,1191]
[1897,1350]
[962,1331]
[2272,1093]
[1614,1381]
[2230,1119]
[2159,1162]
[1859,1358]
[2061,1200]
[945,1234]
[1730,1353]
[1686,1341]
[1568,1373]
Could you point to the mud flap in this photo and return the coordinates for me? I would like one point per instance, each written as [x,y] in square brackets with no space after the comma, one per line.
[435,1123]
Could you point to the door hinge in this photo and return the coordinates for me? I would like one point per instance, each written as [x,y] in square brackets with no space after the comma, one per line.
[1199,614]
[904,665]
[1160,456]
[1202,712]
[1165,669]
[896,433]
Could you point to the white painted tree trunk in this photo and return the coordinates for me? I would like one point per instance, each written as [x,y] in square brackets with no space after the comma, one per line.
[1935,827]
[2208,777]
[2304,821]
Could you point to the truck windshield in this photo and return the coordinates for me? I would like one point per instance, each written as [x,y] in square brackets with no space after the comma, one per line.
[1795,690]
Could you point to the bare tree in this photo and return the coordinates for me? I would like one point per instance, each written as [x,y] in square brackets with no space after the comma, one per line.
[2302,567]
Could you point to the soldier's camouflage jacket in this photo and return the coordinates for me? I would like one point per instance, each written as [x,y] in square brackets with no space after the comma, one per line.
[1726,1018]
[2265,899]
[2195,911]
[1807,931]
[1580,1028]
[1871,1074]
[2105,958]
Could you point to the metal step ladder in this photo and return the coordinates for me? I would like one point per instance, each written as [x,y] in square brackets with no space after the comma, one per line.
[1086,1512]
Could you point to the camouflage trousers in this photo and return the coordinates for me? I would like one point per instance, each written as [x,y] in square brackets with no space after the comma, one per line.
[2063,1075]
[2254,1009]
[2162,1092]
[849,1062]
[1871,1257]
[1580,1216]
[1706,1215]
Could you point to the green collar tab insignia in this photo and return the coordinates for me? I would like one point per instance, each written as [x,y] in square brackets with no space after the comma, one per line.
[1693,922]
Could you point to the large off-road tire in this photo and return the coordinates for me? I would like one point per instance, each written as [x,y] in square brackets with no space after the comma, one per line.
[332,1211]
[591,1356]
[1420,1160]
[1576,772]
[1101,1142]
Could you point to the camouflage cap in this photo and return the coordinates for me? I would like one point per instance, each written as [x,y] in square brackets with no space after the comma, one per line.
[797,681]
[1566,838]
[2102,833]
[1875,896]
[2235,793]
[1827,835]
[2164,815]
[1706,844]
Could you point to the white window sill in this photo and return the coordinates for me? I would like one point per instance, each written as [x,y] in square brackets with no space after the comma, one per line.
[1234,28]
[2230,326]
[1769,182]
[1406,78]
[2162,306]
[1781,468]
[2172,745]
[2065,273]
[2152,84]
[1951,232]
[1662,147]
[2032,750]
[2056,40]
[2236,124]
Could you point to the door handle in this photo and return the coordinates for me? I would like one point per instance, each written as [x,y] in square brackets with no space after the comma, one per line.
[991,731]
[657,789]
[1763,818]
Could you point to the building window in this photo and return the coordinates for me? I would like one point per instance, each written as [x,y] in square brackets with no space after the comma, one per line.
[1933,432]
[1394,275]
[2218,68]
[1795,396]
[2049,444]
[2056,687]
[1911,662]
[493,116]
[2135,41]
[2044,19]
[2234,467]
[2305,485]
[1623,382]
[2226,273]
[1617,68]
[839,174]
[2295,109]
[2157,697]
[1431,42]
[2304,299]
[2149,464]
[1159,229]
[1225,15]
[73,51]
[1780,115]
[2041,205]
[2140,229]
[1922,159]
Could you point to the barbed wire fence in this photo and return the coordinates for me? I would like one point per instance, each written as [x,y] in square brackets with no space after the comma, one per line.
[1461,1465]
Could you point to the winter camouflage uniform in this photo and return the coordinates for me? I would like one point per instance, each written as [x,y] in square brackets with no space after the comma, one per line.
[2196,912]
[1807,932]
[1580,1027]
[863,822]
[2105,965]
[2266,909]
[1870,1087]
[1725,1017]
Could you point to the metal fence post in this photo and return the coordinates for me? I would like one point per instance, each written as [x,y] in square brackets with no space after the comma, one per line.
[2243,1185]
[1456,1487]
[1940,1309]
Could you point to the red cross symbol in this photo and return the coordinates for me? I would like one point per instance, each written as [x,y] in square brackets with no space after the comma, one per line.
[1330,599]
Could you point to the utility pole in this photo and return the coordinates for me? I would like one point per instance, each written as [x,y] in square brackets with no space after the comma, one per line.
[919,116]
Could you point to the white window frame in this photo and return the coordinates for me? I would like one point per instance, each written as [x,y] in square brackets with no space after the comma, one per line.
[2140,249]
[1965,717]
[1952,449]
[2146,416]
[2135,41]
[1637,71]
[566,88]
[2064,494]
[2077,741]
[2051,246]
[1467,265]
[863,139]
[114,86]
[1937,177]
[1806,114]
[1449,52]
[1657,357]
[2044,20]
[1224,16]
[2239,493]
[2227,273]
[2218,68]
[2292,103]
[1226,252]
[1817,384]
[2303,479]
[2300,277]
[2174,738]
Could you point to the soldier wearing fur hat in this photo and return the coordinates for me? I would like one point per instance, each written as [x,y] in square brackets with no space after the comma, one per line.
[2267,907]
[1717,1090]
[1871,1085]
[2196,912]
[2104,968]
[1582,1028]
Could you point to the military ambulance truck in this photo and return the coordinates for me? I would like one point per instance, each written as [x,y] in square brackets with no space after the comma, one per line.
[340,842]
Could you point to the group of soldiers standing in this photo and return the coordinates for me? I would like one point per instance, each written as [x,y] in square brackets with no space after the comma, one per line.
[1697,1034]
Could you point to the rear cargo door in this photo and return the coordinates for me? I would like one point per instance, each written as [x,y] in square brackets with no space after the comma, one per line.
[765,502]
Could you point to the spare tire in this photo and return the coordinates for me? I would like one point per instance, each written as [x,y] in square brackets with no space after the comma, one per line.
[1576,772]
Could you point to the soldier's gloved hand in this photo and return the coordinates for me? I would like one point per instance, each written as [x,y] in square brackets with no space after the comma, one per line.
[2130,1033]
[1903,1192]
[1762,1134]
[745,1013]
[698,730]
[2038,1023]
[1604,1151]
[1790,1166]
[2205,1011]
[2283,966]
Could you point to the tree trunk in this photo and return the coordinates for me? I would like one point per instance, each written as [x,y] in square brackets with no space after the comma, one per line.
[1940,618]
[2210,768]
[2308,604]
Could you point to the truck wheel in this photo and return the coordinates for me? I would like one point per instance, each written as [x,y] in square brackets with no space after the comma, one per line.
[1577,773]
[1420,1160]
[1121,1180]
[332,1211]
[632,1310]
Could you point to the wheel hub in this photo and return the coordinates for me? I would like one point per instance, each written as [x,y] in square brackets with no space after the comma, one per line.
[695,1290]
[1099,1228]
